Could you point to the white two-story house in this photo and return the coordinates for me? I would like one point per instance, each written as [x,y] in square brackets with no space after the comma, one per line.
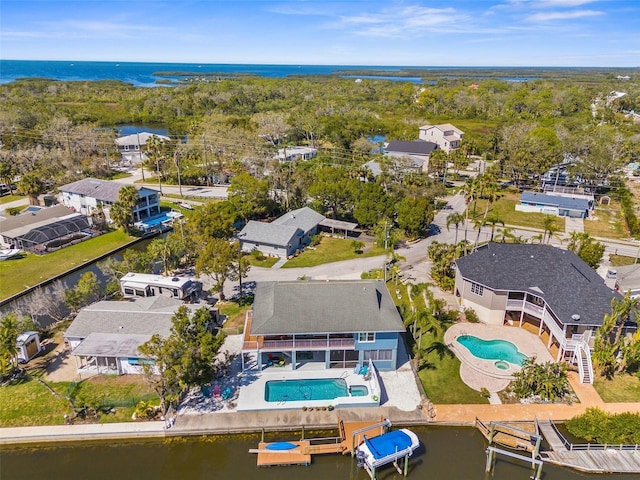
[446,136]
[90,195]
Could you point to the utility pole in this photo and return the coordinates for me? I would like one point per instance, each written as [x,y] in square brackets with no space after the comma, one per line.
[140,155]
[204,156]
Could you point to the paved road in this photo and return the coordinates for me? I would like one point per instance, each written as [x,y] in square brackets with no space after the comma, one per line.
[415,265]
[188,191]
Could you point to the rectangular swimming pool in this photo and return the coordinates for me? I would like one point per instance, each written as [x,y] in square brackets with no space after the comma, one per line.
[300,390]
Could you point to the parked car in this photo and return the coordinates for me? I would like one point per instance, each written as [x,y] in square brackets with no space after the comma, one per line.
[433,229]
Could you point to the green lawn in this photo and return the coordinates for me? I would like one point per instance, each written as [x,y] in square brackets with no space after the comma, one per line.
[505,208]
[621,260]
[331,250]
[605,222]
[28,402]
[440,376]
[265,262]
[441,380]
[11,198]
[622,388]
[18,274]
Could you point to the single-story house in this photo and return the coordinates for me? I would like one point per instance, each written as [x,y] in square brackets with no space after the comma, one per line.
[547,290]
[28,344]
[104,337]
[626,279]
[445,136]
[289,154]
[42,229]
[130,146]
[333,324]
[89,195]
[407,156]
[287,234]
[563,206]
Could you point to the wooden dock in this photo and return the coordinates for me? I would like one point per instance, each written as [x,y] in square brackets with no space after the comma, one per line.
[596,461]
[514,435]
[295,456]
[351,435]
[550,435]
[592,460]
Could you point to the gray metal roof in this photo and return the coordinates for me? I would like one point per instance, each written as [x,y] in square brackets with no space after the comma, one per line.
[339,224]
[142,316]
[316,307]
[110,345]
[139,138]
[579,204]
[104,190]
[419,147]
[628,277]
[304,218]
[269,233]
[567,284]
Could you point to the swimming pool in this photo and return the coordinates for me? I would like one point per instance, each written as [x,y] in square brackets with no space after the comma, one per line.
[311,389]
[499,350]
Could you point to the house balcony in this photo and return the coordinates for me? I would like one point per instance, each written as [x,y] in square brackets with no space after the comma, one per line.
[308,344]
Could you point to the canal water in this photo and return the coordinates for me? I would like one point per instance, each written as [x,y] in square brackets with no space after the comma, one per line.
[446,453]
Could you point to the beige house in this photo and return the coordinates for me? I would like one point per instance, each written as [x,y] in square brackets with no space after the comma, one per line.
[546,290]
[446,136]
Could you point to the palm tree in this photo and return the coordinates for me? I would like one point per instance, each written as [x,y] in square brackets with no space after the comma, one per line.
[550,227]
[128,196]
[490,193]
[456,219]
[32,186]
[121,215]
[477,225]
[154,146]
[470,190]
[493,220]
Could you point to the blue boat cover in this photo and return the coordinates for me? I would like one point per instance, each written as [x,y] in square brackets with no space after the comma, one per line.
[388,444]
[280,446]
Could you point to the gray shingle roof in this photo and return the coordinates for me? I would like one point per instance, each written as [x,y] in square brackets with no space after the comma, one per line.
[304,218]
[282,308]
[555,201]
[268,233]
[567,284]
[111,345]
[143,316]
[104,190]
[419,147]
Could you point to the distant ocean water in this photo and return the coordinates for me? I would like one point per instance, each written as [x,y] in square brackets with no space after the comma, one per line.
[142,74]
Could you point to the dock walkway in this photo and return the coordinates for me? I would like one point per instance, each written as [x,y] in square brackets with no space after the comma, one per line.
[591,459]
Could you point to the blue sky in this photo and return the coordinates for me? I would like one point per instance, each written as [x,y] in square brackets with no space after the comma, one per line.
[595,33]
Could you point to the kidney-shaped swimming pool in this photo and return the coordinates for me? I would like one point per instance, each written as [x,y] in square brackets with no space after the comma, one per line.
[492,349]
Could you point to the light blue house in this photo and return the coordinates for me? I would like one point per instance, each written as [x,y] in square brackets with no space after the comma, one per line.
[576,206]
[333,324]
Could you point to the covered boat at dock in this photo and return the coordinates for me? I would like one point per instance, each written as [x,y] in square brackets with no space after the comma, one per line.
[388,448]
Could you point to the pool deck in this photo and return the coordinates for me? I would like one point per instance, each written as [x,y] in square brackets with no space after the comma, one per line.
[478,373]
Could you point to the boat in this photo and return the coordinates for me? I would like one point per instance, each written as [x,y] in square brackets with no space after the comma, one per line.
[386,448]
[9,253]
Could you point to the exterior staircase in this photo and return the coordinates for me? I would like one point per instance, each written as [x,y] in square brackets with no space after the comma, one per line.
[583,358]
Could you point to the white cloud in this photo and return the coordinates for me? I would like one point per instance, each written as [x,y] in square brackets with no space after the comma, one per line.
[407,20]
[569,15]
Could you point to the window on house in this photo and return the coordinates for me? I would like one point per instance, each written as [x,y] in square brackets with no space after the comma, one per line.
[376,355]
[129,291]
[477,289]
[364,337]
